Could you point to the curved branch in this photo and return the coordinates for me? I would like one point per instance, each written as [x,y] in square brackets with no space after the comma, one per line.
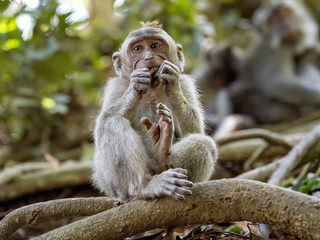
[35,213]
[211,202]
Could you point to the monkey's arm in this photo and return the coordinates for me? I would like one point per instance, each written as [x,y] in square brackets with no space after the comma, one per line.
[122,165]
[182,94]
[293,92]
[186,107]
[122,97]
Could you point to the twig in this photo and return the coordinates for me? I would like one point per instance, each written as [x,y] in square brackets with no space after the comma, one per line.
[308,148]
[258,153]
[270,137]
[35,213]
[261,173]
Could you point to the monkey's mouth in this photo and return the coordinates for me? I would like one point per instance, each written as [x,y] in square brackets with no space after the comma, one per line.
[154,75]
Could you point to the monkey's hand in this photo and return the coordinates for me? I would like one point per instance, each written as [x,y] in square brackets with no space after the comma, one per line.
[169,76]
[140,80]
[172,182]
[161,135]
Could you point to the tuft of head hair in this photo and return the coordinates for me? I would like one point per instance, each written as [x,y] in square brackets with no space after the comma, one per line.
[153,24]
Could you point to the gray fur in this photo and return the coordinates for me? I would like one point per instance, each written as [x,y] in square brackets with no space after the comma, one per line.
[123,163]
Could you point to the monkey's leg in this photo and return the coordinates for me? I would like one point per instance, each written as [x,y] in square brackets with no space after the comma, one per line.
[197,154]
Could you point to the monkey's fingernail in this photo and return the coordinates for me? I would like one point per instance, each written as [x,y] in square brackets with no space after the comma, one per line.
[181,197]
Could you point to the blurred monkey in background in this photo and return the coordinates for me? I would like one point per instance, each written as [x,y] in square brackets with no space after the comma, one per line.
[269,87]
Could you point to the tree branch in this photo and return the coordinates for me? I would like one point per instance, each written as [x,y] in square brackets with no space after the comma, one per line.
[66,175]
[242,150]
[11,173]
[35,213]
[307,148]
[212,202]
[270,137]
[261,174]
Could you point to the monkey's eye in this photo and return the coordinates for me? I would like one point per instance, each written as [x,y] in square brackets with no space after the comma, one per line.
[137,48]
[155,45]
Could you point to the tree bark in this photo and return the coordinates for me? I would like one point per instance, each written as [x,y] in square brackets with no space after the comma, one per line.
[38,212]
[211,202]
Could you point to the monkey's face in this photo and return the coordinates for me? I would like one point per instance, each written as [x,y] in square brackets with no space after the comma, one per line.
[283,22]
[148,53]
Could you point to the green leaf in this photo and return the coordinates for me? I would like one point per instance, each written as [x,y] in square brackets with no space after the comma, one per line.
[234,229]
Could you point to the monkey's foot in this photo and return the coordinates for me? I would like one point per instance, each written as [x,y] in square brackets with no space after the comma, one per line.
[161,135]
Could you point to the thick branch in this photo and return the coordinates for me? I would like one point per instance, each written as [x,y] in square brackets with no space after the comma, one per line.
[297,155]
[67,175]
[35,213]
[211,202]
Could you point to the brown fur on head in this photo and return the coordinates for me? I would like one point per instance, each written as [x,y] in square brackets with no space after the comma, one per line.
[153,24]
[152,29]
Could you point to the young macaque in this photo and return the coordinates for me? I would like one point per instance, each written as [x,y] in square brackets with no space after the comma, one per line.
[149,136]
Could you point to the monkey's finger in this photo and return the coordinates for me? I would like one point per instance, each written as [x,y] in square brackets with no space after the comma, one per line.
[180,182]
[172,194]
[141,73]
[142,70]
[163,106]
[164,113]
[178,175]
[172,65]
[179,170]
[183,191]
[167,67]
[178,191]
[166,78]
[146,122]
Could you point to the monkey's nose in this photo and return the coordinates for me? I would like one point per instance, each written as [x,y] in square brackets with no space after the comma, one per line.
[148,56]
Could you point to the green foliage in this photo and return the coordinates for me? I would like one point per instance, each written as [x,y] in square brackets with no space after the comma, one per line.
[42,71]
[234,229]
[309,185]
[179,19]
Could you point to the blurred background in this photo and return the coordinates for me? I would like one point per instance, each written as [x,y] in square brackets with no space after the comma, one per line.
[55,57]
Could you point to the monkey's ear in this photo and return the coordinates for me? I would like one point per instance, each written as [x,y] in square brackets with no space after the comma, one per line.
[116,59]
[180,57]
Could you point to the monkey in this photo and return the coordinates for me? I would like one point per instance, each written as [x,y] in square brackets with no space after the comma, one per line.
[221,69]
[213,79]
[269,88]
[149,138]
